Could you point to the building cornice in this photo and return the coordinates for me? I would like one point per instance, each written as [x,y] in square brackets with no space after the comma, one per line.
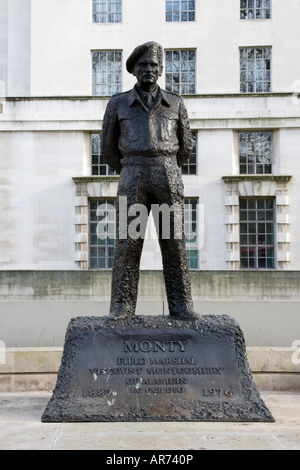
[202,95]
[95,179]
[241,178]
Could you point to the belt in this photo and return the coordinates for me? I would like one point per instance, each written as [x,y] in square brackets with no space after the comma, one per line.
[148,161]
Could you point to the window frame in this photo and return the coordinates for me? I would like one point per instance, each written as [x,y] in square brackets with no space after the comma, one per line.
[187,166]
[170,70]
[105,246]
[188,201]
[180,11]
[116,87]
[108,170]
[255,8]
[255,153]
[256,70]
[107,12]
[248,221]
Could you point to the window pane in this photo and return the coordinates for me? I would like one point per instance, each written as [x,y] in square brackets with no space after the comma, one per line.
[255,9]
[257,248]
[182,10]
[190,167]
[107,11]
[255,70]
[102,237]
[109,81]
[255,152]
[190,228]
[180,71]
[97,167]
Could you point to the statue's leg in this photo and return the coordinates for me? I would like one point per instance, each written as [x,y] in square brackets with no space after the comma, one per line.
[172,244]
[177,277]
[125,273]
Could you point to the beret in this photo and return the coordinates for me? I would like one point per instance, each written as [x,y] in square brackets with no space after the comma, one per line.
[153,48]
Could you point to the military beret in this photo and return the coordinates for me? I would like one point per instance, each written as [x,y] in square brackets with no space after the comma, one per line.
[153,48]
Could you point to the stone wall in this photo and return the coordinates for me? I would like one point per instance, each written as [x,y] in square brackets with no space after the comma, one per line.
[36,306]
[35,369]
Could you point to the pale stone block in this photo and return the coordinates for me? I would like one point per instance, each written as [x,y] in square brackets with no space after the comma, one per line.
[283,256]
[232,238]
[283,237]
[246,188]
[94,189]
[283,219]
[106,187]
[282,200]
[114,189]
[278,382]
[272,359]
[257,188]
[7,363]
[80,256]
[268,188]
[232,256]
[81,219]
[81,201]
[232,201]
[81,238]
[232,219]
[38,360]
[28,382]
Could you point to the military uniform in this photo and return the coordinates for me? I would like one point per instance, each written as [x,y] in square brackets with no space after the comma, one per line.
[147,143]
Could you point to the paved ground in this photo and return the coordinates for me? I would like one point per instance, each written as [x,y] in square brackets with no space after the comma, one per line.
[21,429]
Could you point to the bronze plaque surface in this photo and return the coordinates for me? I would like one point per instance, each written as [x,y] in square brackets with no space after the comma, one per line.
[152,370]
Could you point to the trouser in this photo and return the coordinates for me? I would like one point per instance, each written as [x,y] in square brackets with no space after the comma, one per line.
[149,181]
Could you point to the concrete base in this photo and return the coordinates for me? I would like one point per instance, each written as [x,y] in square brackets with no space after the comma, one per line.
[106,368]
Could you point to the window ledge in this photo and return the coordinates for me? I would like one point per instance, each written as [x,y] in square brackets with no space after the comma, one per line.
[241,178]
[95,179]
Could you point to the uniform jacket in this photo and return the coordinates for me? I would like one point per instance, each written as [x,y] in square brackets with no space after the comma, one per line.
[131,130]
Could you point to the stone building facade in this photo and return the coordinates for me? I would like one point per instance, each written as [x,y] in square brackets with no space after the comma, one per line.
[235,64]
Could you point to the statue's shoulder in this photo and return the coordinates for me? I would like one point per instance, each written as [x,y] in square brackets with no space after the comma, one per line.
[120,96]
[172,93]
[172,97]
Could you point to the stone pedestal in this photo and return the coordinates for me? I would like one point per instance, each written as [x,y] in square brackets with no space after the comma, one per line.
[155,369]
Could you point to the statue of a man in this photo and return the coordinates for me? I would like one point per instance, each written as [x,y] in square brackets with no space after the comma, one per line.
[146,138]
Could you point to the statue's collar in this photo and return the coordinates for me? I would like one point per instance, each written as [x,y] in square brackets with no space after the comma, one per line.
[134,96]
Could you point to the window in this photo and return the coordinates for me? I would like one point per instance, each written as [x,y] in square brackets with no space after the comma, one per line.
[102,227]
[190,229]
[107,11]
[257,233]
[255,9]
[255,151]
[97,167]
[181,71]
[102,232]
[190,167]
[180,10]
[107,72]
[255,70]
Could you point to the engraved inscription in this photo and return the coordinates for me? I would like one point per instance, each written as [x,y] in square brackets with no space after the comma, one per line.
[158,369]
[155,346]
[211,392]
[96,393]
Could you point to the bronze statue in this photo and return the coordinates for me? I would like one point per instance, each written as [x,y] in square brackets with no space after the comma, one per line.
[146,138]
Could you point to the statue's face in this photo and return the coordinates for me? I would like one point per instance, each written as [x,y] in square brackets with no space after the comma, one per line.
[147,70]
